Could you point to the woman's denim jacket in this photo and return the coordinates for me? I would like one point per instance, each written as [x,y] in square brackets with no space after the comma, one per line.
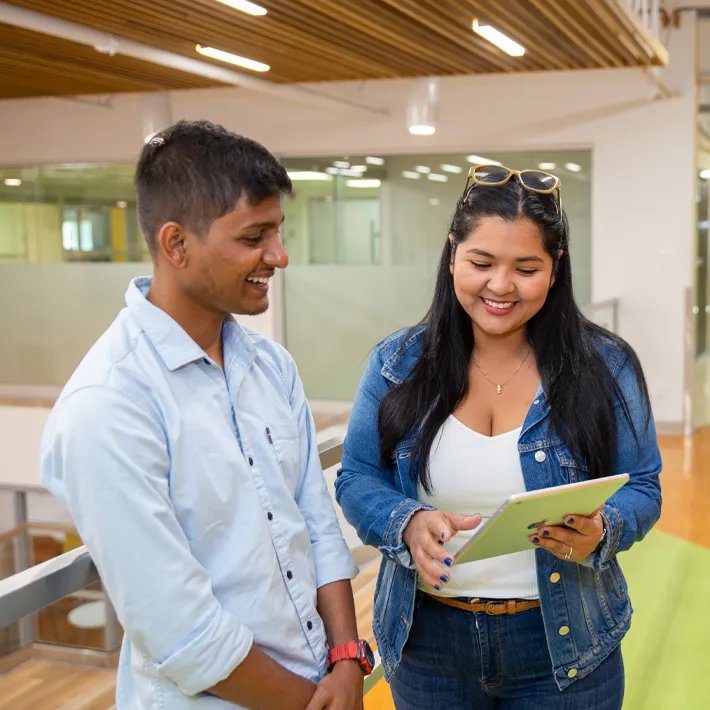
[588,598]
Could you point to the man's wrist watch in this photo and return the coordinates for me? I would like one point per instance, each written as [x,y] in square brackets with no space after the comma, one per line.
[359,651]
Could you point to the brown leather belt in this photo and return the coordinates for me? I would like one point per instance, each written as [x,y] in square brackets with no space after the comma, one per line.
[492,608]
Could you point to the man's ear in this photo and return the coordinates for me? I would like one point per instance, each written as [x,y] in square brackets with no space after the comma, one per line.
[172,245]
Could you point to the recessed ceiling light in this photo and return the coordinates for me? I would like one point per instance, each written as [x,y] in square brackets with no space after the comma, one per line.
[411,175]
[297,175]
[244,6]
[351,172]
[13,182]
[438,178]
[480,160]
[359,168]
[422,130]
[341,164]
[704,174]
[423,169]
[333,171]
[451,169]
[499,39]
[363,183]
[573,167]
[121,204]
[547,166]
[370,160]
[231,58]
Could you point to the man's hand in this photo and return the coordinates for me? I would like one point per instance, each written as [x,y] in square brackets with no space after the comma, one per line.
[424,535]
[341,689]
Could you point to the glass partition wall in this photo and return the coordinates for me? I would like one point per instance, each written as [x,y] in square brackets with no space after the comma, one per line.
[365,233]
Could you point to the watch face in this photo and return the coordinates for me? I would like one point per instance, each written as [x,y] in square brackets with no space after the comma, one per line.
[368,655]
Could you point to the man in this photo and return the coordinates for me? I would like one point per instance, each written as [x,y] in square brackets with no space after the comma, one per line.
[186,452]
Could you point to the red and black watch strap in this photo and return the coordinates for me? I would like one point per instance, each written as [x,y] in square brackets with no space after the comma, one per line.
[353,651]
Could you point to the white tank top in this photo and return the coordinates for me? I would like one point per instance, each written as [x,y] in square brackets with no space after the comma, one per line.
[472,473]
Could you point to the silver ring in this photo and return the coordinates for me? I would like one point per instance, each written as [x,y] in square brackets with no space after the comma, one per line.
[569,554]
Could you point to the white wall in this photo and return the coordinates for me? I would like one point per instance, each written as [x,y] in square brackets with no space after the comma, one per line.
[643,176]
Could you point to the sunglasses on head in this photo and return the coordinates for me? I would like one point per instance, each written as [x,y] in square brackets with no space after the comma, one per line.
[495,175]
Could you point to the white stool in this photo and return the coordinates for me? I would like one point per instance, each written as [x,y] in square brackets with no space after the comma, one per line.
[88,616]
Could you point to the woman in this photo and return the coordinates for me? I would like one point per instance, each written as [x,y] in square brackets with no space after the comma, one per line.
[504,387]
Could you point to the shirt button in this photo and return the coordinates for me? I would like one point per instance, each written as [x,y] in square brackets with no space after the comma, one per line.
[572,673]
[289,575]
[309,625]
[537,401]
[555,577]
[540,456]
[564,630]
[270,516]
[251,461]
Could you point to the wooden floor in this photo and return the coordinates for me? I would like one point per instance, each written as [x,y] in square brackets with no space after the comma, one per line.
[44,685]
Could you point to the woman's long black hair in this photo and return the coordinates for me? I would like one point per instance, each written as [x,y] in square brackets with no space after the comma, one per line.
[579,386]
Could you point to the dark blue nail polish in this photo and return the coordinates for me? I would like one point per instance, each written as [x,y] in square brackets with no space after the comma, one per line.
[536,540]
[443,535]
[448,562]
[570,521]
[444,578]
[437,587]
[546,533]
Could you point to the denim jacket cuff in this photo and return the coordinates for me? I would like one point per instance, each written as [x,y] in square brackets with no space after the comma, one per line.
[393,545]
[613,524]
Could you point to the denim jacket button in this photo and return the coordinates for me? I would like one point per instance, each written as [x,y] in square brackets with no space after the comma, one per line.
[572,672]
[564,630]
[540,456]
[555,577]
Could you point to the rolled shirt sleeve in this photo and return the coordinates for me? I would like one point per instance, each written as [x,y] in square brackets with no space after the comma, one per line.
[105,456]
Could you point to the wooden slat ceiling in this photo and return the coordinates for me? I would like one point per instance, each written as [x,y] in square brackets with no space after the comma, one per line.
[318,40]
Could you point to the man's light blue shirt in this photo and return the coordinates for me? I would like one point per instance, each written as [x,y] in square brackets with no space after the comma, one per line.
[199,494]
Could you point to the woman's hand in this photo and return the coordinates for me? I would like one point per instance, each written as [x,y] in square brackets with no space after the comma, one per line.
[575,540]
[425,534]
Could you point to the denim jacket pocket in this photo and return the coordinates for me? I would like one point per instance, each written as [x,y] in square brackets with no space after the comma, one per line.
[571,470]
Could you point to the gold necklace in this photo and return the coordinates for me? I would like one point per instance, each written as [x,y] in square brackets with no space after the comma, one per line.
[499,388]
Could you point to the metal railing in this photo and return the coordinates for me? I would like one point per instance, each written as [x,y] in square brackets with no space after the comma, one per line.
[647,11]
[604,313]
[34,588]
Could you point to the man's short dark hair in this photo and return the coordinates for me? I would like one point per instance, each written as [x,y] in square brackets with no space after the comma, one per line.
[195,172]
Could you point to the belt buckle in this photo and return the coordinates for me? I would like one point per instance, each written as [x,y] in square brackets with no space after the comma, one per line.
[488,607]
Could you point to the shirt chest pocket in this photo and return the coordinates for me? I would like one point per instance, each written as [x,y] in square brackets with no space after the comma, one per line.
[284,437]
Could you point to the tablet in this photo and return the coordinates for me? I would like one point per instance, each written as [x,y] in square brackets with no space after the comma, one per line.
[509,528]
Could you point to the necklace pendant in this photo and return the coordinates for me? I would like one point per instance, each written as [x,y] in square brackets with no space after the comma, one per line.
[500,389]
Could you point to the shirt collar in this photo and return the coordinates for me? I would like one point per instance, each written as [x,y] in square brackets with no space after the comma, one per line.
[173,344]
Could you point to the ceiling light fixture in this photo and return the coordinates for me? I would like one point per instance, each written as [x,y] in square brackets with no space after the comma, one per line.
[704,175]
[359,168]
[573,167]
[499,39]
[411,175]
[423,169]
[363,183]
[231,58]
[13,182]
[370,160]
[121,204]
[451,169]
[547,166]
[438,178]
[245,6]
[341,164]
[303,175]
[480,160]
[422,108]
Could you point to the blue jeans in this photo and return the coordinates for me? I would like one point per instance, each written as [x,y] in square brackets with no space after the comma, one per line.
[457,660]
